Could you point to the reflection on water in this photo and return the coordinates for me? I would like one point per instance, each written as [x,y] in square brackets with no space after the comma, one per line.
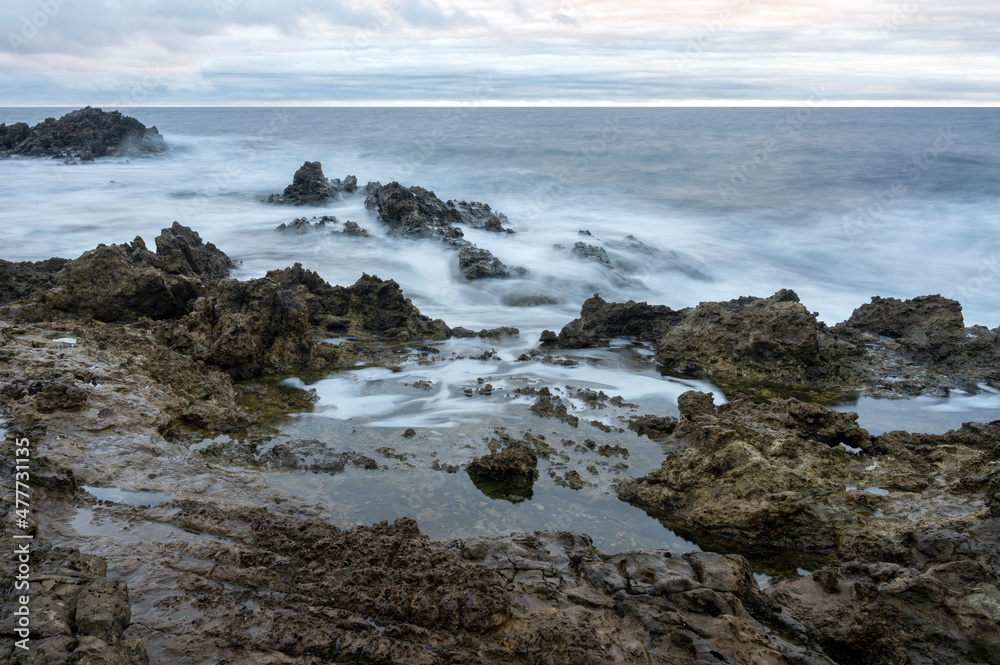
[929,415]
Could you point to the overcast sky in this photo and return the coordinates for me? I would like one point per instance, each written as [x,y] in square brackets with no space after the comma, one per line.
[186,52]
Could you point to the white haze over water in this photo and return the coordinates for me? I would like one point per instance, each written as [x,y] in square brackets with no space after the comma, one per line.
[852,203]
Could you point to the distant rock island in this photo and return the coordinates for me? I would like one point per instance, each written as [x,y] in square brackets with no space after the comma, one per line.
[84,134]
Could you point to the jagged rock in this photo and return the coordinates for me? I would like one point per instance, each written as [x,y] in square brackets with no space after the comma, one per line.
[27,279]
[757,340]
[354,229]
[85,134]
[654,427]
[415,212]
[774,346]
[247,328]
[310,187]
[80,615]
[371,305]
[479,216]
[181,251]
[600,320]
[887,614]
[126,282]
[300,226]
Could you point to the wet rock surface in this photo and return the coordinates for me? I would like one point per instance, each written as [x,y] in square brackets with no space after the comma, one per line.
[370,305]
[600,321]
[416,213]
[84,134]
[223,567]
[310,187]
[774,346]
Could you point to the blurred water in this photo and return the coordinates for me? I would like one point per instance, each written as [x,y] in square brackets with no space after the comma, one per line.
[847,204]
[840,206]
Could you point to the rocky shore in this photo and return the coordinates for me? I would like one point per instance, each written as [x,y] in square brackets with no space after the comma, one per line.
[148,370]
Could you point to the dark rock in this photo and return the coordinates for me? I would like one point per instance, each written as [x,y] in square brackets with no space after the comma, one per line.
[547,337]
[876,613]
[126,282]
[353,229]
[27,280]
[108,284]
[571,480]
[654,427]
[310,187]
[247,328]
[84,134]
[600,320]
[516,463]
[478,263]
[495,333]
[409,433]
[371,305]
[181,251]
[299,226]
[479,216]
[772,341]
[415,212]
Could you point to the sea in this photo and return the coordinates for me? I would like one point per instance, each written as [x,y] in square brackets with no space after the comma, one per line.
[689,204]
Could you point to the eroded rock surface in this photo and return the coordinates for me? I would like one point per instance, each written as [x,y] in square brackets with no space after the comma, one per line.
[793,475]
[84,134]
[774,346]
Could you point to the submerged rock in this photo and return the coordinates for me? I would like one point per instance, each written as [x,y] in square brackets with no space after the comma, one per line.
[310,187]
[84,134]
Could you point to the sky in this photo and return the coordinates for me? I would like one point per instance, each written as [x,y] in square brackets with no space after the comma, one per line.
[499,52]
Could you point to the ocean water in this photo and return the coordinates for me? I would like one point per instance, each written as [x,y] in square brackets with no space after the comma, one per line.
[690,205]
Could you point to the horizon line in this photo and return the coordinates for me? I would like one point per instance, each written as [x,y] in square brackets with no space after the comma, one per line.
[688,103]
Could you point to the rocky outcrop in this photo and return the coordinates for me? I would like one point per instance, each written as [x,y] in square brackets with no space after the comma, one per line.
[302,226]
[515,463]
[126,282]
[415,212]
[774,341]
[247,328]
[600,321]
[798,476]
[84,134]
[370,305]
[775,346]
[77,613]
[310,187]
[27,279]
[888,614]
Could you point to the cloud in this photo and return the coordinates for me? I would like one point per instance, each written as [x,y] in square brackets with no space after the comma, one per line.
[218,51]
